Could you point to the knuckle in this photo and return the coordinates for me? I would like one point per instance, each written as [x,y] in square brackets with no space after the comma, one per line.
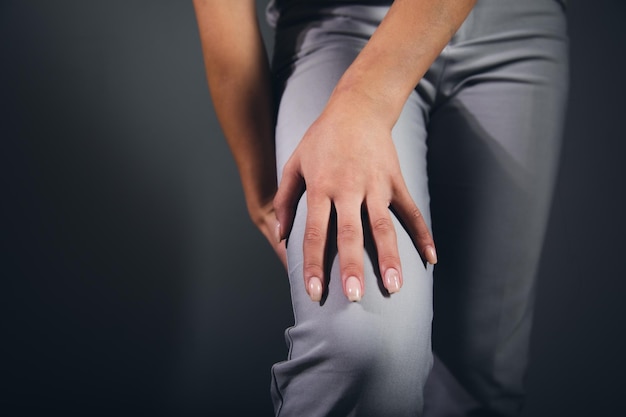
[314,196]
[423,233]
[312,268]
[382,225]
[415,214]
[389,259]
[313,234]
[424,236]
[351,268]
[347,232]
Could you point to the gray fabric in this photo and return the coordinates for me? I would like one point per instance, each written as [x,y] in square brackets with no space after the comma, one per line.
[274,7]
[478,142]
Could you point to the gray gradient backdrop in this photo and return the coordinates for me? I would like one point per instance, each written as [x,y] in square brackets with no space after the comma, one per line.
[132,281]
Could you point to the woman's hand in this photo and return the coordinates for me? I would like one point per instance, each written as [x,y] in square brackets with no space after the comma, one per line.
[347,160]
[264,217]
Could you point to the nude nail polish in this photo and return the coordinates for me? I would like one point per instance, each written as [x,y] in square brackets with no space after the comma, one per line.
[315,288]
[431,255]
[353,288]
[277,232]
[392,280]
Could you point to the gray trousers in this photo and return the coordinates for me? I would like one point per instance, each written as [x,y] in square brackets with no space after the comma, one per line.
[478,142]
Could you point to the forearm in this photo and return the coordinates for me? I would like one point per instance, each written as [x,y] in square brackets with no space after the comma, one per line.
[404,46]
[239,82]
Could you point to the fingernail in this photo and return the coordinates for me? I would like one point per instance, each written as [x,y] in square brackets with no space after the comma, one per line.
[431,255]
[315,288]
[277,232]
[392,280]
[353,287]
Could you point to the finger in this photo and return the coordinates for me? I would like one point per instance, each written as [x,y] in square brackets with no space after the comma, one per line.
[384,235]
[286,199]
[314,244]
[279,247]
[350,248]
[412,219]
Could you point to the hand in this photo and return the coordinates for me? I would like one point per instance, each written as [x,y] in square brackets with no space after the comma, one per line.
[264,217]
[347,159]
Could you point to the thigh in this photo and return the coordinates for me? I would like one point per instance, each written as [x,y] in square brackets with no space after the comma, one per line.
[365,358]
[493,151]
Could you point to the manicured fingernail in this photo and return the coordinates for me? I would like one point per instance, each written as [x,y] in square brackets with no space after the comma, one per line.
[353,288]
[277,232]
[315,288]
[431,255]
[392,280]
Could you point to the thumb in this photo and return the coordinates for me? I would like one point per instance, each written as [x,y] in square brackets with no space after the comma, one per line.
[290,190]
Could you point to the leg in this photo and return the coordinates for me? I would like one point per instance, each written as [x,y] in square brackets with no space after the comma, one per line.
[493,149]
[369,358]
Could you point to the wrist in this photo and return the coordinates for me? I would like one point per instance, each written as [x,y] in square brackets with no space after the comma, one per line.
[350,100]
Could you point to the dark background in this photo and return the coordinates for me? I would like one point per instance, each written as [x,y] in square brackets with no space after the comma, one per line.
[132,281]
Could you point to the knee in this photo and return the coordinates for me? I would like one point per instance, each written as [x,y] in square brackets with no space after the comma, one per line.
[356,340]
[368,346]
